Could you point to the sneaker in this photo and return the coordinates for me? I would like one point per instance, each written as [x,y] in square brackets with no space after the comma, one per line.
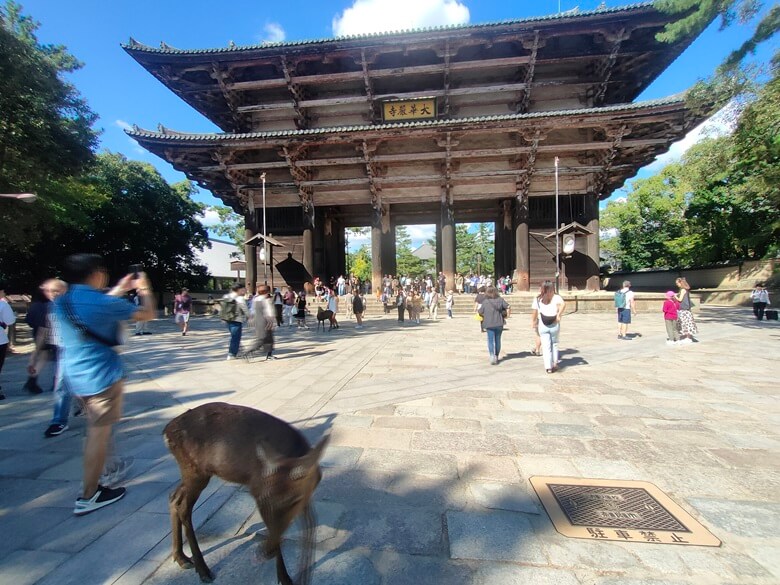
[103,497]
[670,342]
[270,357]
[116,471]
[55,430]
[230,357]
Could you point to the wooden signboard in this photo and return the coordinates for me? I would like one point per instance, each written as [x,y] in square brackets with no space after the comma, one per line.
[402,110]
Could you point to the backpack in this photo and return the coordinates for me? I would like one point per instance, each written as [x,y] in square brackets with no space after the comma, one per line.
[620,299]
[228,309]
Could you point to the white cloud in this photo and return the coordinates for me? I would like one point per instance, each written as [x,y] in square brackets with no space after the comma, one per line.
[371,16]
[210,218]
[721,123]
[273,33]
[123,125]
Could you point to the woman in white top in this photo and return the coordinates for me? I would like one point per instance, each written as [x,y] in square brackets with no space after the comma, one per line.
[547,312]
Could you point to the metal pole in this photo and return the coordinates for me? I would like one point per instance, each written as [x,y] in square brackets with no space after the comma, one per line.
[265,243]
[346,244]
[557,238]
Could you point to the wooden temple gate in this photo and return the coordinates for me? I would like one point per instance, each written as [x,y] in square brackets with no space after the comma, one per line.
[443,125]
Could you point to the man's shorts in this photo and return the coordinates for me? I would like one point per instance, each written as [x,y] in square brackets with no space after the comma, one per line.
[105,408]
[624,316]
[181,317]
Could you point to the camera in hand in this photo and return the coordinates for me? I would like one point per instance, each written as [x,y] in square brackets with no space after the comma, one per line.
[135,270]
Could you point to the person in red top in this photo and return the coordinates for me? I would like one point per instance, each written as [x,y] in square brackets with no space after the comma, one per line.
[670,317]
[182,306]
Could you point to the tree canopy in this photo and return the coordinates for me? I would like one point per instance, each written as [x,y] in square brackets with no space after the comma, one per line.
[121,209]
[720,203]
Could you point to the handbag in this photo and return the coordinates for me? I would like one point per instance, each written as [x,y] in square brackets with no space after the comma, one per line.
[478,317]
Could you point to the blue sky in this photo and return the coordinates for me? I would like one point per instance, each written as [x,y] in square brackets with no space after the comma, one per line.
[123,93]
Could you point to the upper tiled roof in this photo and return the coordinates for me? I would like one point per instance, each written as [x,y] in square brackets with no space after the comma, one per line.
[134,45]
[677,99]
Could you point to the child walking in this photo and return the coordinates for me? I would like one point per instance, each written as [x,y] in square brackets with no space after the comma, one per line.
[670,317]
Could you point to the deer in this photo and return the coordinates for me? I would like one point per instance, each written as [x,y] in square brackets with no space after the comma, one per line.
[252,448]
[325,315]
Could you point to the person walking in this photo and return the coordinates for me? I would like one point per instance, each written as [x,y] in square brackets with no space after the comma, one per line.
[278,304]
[669,310]
[265,317]
[289,306]
[416,303]
[433,307]
[449,302]
[182,307]
[494,311]
[760,298]
[626,306]
[39,319]
[300,310]
[333,306]
[547,310]
[7,319]
[685,321]
[234,313]
[400,303]
[478,300]
[88,323]
[358,307]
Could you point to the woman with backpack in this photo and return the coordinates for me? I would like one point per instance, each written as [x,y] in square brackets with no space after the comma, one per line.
[546,316]
[493,311]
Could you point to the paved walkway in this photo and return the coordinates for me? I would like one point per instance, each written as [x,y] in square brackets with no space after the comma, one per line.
[426,477]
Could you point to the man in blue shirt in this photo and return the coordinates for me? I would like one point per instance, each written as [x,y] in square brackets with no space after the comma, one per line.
[89,329]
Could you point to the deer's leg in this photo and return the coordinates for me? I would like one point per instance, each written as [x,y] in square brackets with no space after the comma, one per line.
[191,490]
[272,547]
[174,503]
[308,544]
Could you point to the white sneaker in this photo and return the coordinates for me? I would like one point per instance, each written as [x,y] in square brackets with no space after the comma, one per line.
[230,357]
[670,342]
[686,340]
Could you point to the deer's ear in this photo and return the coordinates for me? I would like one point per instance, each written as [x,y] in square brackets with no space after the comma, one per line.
[319,449]
[311,458]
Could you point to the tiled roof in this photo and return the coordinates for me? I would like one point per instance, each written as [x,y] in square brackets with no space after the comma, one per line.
[186,137]
[134,45]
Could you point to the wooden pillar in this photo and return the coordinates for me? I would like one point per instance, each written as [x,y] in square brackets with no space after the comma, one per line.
[376,257]
[437,231]
[250,253]
[448,260]
[522,276]
[308,250]
[505,241]
[389,261]
[593,281]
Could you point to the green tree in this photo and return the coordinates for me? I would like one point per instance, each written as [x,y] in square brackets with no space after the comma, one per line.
[132,216]
[732,78]
[696,15]
[360,263]
[406,262]
[647,221]
[231,225]
[46,133]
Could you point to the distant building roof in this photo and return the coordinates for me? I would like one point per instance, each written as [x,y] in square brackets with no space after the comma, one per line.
[425,252]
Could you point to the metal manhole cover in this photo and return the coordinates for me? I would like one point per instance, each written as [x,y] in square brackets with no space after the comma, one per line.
[636,511]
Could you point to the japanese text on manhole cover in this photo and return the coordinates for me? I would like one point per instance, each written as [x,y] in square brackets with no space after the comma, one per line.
[600,509]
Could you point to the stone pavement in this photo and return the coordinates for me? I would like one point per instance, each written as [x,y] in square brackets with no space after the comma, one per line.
[426,476]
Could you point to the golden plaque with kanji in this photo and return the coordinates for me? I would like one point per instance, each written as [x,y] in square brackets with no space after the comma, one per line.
[419,109]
